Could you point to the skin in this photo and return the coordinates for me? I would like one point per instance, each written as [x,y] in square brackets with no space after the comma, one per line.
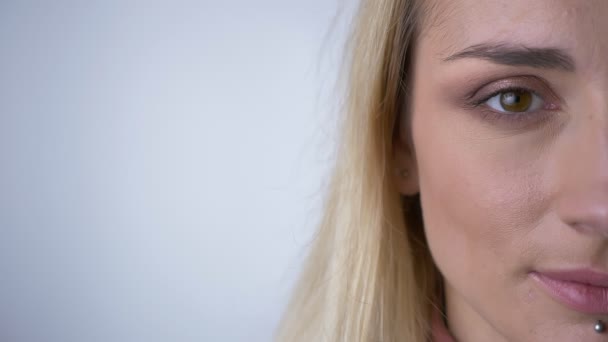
[502,199]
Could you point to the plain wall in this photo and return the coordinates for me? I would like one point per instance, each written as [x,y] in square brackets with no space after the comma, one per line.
[162,165]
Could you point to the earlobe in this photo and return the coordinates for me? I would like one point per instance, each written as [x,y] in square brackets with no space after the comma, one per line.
[406,171]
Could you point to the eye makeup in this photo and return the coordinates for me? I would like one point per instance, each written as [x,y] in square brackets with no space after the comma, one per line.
[478,102]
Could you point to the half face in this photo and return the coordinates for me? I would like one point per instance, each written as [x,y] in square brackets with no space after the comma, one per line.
[510,137]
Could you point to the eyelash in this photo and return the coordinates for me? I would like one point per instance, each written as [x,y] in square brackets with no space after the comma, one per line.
[513,118]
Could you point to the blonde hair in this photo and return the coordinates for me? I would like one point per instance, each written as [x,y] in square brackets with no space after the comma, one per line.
[370,276]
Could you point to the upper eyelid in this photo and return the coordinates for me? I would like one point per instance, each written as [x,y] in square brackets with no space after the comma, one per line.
[534,84]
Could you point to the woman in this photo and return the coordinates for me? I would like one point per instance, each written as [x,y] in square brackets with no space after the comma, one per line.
[469,201]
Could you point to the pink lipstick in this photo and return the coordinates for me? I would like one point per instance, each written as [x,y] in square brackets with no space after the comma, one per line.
[583,290]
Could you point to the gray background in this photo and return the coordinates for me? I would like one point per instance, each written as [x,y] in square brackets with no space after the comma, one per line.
[162,164]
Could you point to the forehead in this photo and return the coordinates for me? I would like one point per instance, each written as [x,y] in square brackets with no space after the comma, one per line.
[575,25]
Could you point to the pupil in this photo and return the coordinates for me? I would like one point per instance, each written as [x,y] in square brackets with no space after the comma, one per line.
[516,101]
[511,98]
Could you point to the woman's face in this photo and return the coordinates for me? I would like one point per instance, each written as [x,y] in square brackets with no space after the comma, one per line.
[510,134]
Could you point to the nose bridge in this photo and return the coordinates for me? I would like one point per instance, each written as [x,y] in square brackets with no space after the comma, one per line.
[583,202]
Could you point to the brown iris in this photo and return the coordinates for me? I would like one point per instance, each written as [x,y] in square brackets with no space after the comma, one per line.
[516,100]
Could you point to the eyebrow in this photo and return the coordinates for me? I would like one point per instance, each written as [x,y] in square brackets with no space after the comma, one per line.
[518,55]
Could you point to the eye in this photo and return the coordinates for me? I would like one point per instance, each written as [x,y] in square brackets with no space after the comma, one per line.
[515,101]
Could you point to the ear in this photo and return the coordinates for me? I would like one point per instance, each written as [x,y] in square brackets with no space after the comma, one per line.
[405,168]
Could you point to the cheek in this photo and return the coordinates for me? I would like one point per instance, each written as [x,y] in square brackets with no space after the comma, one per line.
[480,201]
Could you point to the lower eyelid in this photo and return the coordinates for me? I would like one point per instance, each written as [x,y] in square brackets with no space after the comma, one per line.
[514,121]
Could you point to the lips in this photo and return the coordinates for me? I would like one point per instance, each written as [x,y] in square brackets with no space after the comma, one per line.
[583,290]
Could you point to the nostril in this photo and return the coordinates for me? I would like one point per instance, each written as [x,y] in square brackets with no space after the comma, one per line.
[590,229]
[585,212]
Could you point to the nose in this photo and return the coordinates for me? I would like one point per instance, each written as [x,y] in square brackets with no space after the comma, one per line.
[583,173]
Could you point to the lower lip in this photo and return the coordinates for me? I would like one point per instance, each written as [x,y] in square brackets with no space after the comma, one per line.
[578,296]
